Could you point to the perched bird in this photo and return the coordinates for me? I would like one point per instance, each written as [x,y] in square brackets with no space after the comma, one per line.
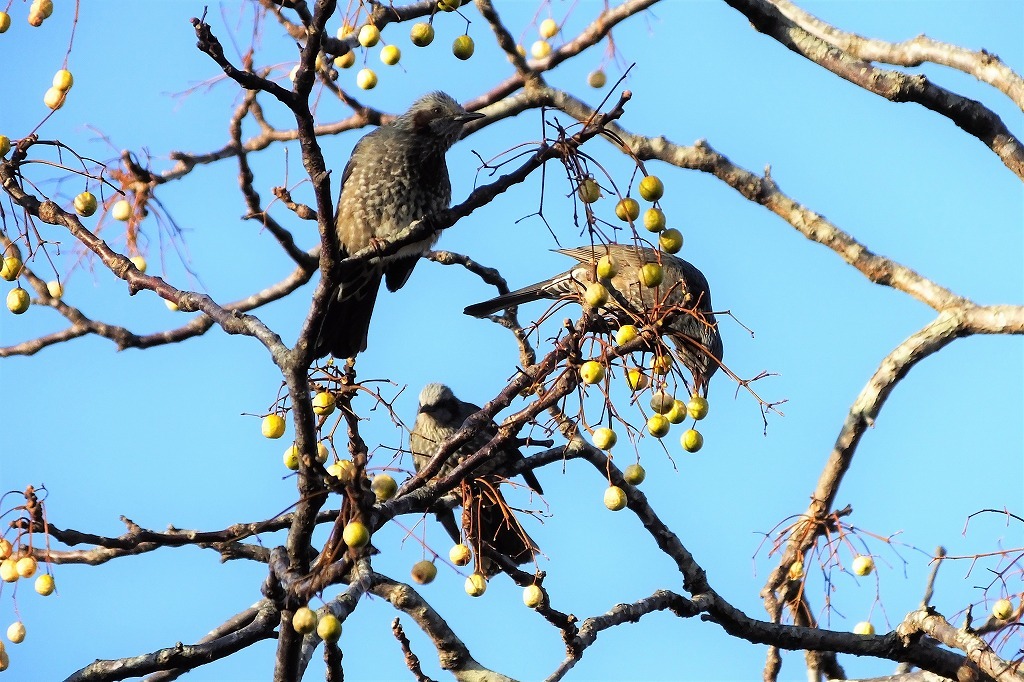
[680,306]
[397,174]
[440,415]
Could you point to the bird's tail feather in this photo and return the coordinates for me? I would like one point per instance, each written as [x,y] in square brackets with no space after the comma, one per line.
[534,292]
[496,526]
[347,320]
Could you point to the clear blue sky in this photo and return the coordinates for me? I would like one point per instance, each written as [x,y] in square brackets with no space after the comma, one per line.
[160,437]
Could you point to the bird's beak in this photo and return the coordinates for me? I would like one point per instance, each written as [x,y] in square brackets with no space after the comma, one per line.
[468,116]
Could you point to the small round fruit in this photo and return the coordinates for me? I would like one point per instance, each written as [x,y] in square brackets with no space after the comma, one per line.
[591,372]
[328,628]
[63,80]
[463,47]
[323,403]
[589,191]
[422,34]
[448,5]
[121,210]
[637,380]
[661,364]
[424,572]
[677,413]
[85,204]
[607,267]
[272,426]
[366,79]
[5,22]
[634,474]
[345,30]
[662,402]
[344,61]
[35,18]
[796,570]
[322,453]
[654,220]
[476,585]
[355,535]
[628,209]
[304,620]
[596,79]
[596,295]
[44,7]
[604,438]
[140,263]
[344,470]
[8,570]
[864,628]
[291,458]
[691,440]
[459,555]
[651,275]
[16,632]
[11,268]
[532,596]
[698,407]
[171,305]
[548,28]
[1002,609]
[651,188]
[54,288]
[26,566]
[625,334]
[44,584]
[6,549]
[18,300]
[658,425]
[863,565]
[671,241]
[5,142]
[390,54]
[615,498]
[384,487]
[54,98]
[540,49]
[369,35]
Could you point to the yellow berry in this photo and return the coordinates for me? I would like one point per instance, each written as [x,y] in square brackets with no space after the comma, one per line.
[343,470]
[422,34]
[1002,609]
[651,188]
[5,22]
[476,585]
[654,220]
[369,35]
[44,7]
[11,268]
[323,403]
[5,142]
[671,241]
[139,262]
[651,275]
[591,372]
[344,61]
[345,30]
[697,408]
[54,288]
[6,549]
[589,191]
[304,620]
[615,498]
[291,458]
[607,267]
[390,54]
[634,474]
[18,300]
[459,555]
[597,79]
[44,585]
[661,364]
[677,414]
[691,440]
[604,438]
[8,570]
[16,632]
[533,596]
[637,380]
[424,572]
[54,98]
[328,628]
[625,334]
[171,305]
[864,628]
[355,535]
[85,204]
[628,209]
[658,425]
[26,566]
[595,295]
[662,402]
[63,80]
[273,426]
[863,565]
[796,570]
[463,47]
[366,79]
[540,49]
[548,28]
[121,210]
[321,453]
[448,5]
[384,487]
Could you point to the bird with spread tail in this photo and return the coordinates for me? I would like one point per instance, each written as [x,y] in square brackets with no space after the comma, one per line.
[396,175]
[682,301]
[440,416]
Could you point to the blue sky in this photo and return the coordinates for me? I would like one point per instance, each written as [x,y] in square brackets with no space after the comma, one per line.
[165,436]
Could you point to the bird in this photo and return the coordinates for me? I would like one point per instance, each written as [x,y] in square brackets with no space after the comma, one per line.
[680,305]
[396,175]
[439,417]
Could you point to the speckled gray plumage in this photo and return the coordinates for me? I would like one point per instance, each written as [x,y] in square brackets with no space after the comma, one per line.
[396,175]
[684,295]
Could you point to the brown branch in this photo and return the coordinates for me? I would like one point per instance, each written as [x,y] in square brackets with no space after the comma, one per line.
[979,653]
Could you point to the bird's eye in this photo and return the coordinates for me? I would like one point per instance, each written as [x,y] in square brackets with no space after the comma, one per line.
[437,110]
